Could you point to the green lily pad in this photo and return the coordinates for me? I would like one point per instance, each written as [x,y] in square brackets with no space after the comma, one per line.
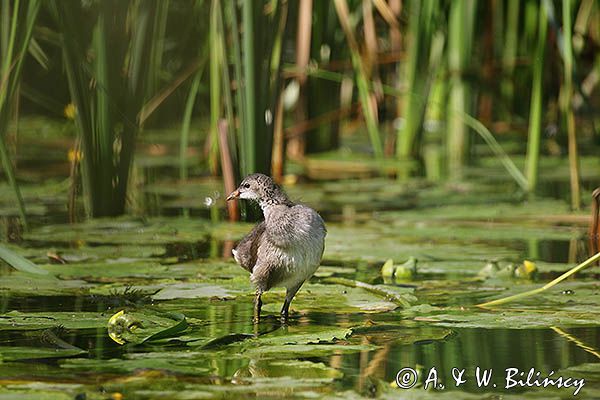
[16,320]
[124,231]
[329,298]
[22,284]
[105,271]
[192,291]
[193,366]
[518,319]
[14,353]
[292,336]
[40,391]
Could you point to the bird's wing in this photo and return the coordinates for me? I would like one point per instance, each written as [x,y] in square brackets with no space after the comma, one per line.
[247,248]
[293,225]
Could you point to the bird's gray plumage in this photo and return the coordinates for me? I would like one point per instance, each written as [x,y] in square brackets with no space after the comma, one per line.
[246,251]
[286,248]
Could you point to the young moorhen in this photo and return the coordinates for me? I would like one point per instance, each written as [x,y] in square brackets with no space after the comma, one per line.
[286,248]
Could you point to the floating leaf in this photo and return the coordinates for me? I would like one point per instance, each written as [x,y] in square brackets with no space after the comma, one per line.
[14,353]
[27,285]
[193,364]
[16,320]
[193,291]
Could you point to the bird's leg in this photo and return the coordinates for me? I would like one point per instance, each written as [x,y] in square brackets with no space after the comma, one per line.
[257,305]
[285,310]
[289,295]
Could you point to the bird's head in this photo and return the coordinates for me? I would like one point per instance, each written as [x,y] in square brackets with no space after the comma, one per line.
[261,188]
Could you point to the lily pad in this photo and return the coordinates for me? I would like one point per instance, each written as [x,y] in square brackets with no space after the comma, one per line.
[124,231]
[40,391]
[513,319]
[15,320]
[196,366]
[330,298]
[22,284]
[192,291]
[14,353]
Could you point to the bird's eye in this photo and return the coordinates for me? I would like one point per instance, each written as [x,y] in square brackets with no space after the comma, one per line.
[246,186]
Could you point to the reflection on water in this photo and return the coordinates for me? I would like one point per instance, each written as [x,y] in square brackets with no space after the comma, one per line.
[544,350]
[497,349]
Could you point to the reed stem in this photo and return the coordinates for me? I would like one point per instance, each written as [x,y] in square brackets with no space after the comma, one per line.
[567,104]
[362,82]
[535,112]
[460,39]
[215,86]
[15,38]
[249,165]
[574,270]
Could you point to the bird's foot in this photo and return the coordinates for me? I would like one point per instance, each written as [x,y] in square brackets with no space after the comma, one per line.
[285,311]
[257,307]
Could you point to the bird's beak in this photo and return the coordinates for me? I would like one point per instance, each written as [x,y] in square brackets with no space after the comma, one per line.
[234,195]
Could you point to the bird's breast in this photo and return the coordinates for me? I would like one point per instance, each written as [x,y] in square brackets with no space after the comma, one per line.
[288,266]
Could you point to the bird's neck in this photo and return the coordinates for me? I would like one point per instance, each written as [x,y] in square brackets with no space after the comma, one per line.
[277,199]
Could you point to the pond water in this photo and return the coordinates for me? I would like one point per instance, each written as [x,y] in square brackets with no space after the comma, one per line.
[358,365]
[341,341]
[154,307]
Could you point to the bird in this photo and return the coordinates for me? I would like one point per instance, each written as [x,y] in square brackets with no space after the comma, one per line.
[283,250]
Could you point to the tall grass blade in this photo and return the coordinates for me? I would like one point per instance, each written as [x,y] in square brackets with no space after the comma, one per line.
[185,126]
[240,100]
[227,169]
[535,112]
[419,71]
[19,262]
[460,39]
[249,164]
[215,84]
[8,167]
[324,48]
[499,152]
[230,130]
[567,103]
[362,82]
[18,19]
[472,122]
[509,51]
[110,88]
[296,146]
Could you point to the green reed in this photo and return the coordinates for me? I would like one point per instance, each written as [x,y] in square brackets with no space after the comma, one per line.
[110,87]
[535,113]
[17,19]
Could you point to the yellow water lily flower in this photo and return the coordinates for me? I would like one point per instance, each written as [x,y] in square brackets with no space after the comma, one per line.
[70,111]
[74,155]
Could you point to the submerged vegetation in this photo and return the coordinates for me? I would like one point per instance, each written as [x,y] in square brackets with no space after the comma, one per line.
[451,147]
